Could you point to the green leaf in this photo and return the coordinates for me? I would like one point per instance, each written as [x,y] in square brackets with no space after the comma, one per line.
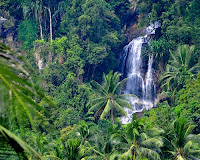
[10,136]
[106,109]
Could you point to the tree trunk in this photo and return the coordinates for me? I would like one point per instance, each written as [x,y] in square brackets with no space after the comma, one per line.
[41,34]
[11,107]
[40,22]
[179,156]
[134,157]
[112,114]
[92,76]
[50,24]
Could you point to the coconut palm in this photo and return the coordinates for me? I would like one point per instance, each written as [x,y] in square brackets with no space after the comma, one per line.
[108,97]
[180,68]
[137,142]
[101,148]
[99,142]
[183,145]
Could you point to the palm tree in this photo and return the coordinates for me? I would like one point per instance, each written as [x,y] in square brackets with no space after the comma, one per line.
[19,91]
[23,150]
[181,67]
[108,96]
[183,144]
[20,107]
[137,142]
[100,146]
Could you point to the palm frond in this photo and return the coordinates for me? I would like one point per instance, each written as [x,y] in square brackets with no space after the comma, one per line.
[180,65]
[195,68]
[99,88]
[13,139]
[96,100]
[127,154]
[125,97]
[189,53]
[124,103]
[153,142]
[54,157]
[119,85]
[118,138]
[115,80]
[106,109]
[119,109]
[189,129]
[149,153]
[20,100]
[114,156]
[99,110]
[193,158]
[187,146]
[20,89]
[95,106]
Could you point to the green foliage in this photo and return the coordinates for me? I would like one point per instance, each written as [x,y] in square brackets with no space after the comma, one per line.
[136,142]
[20,146]
[108,97]
[72,148]
[21,108]
[120,7]
[180,23]
[27,33]
[97,54]
[183,143]
[66,117]
[188,102]
[160,115]
[181,68]
[73,94]
[67,57]
[160,49]
[86,42]
[98,28]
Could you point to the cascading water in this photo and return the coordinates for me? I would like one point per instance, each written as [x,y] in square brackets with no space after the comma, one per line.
[150,88]
[138,83]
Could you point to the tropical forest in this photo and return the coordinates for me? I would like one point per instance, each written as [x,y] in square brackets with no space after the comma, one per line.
[99,79]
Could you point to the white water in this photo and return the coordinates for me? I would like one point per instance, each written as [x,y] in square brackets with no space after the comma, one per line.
[139,83]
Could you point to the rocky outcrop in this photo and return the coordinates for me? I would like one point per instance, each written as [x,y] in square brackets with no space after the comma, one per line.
[8,35]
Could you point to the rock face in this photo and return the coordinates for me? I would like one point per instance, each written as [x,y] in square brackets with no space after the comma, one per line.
[131,29]
[2,21]
[8,35]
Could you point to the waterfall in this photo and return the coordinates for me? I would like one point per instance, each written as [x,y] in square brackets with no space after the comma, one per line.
[150,88]
[139,82]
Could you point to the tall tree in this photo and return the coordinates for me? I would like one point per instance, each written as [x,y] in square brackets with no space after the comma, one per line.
[34,10]
[181,67]
[137,142]
[108,97]
[183,144]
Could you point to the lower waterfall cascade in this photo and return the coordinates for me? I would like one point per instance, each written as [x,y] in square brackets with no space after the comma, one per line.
[141,84]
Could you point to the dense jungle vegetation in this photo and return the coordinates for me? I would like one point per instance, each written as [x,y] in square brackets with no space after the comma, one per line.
[60,93]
